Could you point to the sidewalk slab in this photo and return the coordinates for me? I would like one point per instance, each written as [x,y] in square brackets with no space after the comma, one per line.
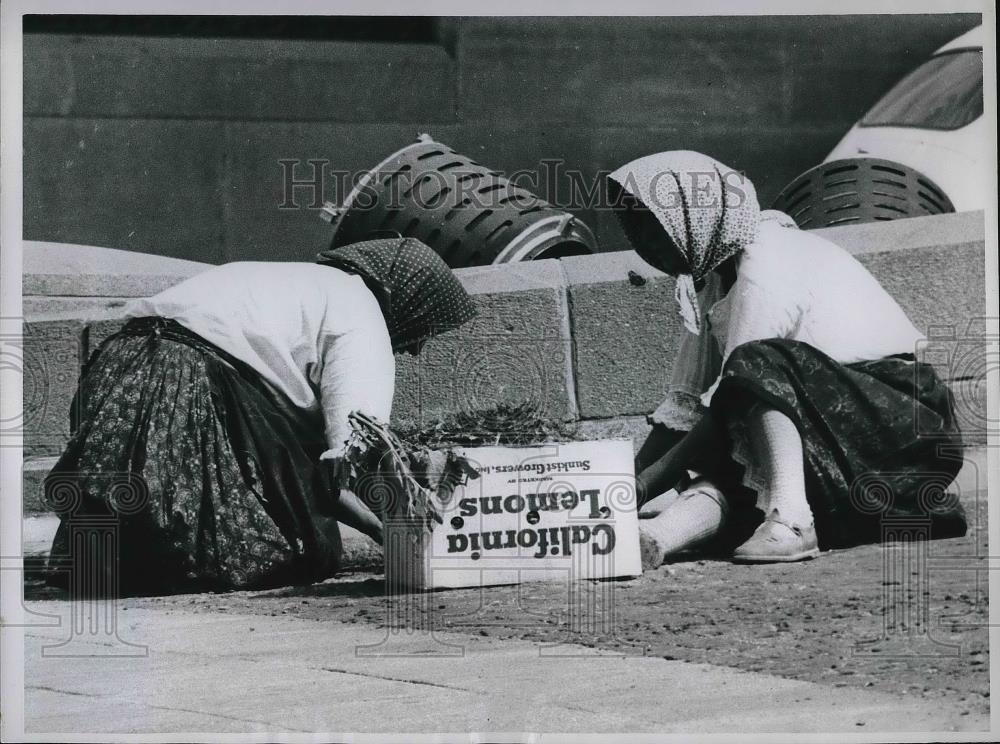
[224,672]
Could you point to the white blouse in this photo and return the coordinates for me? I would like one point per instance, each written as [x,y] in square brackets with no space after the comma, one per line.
[790,284]
[314,332]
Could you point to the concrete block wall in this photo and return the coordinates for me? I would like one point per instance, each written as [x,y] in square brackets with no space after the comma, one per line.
[518,349]
[575,336]
[72,297]
[172,146]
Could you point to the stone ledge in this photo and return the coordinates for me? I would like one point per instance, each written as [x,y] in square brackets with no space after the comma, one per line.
[512,277]
[956,228]
[39,308]
[53,355]
[625,336]
[943,291]
[516,350]
[68,270]
[574,335]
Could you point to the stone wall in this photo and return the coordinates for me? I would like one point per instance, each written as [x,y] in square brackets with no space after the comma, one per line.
[574,336]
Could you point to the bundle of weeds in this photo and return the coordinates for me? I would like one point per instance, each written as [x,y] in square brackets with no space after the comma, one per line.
[414,469]
[502,425]
[398,478]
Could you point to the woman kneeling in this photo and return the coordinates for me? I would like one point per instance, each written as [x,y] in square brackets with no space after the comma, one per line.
[221,412]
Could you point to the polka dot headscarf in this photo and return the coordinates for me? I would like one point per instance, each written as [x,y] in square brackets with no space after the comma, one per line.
[709,211]
[419,295]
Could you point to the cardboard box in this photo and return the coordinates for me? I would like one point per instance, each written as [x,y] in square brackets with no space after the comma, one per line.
[562,511]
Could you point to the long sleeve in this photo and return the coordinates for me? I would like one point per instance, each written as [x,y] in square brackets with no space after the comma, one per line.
[696,365]
[358,373]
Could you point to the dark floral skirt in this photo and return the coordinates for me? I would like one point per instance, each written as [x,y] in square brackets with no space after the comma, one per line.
[880,442]
[202,475]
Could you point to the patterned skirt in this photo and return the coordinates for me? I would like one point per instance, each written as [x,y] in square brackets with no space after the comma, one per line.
[201,473]
[880,442]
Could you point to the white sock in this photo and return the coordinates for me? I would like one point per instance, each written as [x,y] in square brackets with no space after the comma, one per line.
[780,450]
[694,516]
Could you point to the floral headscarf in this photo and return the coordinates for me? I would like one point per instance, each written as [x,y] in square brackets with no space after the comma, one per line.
[709,211]
[419,295]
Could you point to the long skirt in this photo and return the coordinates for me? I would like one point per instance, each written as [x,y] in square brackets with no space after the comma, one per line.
[879,438]
[197,472]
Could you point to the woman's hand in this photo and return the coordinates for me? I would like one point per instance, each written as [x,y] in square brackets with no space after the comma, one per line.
[347,507]
[334,472]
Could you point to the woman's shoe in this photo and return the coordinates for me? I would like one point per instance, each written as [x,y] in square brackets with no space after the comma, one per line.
[776,541]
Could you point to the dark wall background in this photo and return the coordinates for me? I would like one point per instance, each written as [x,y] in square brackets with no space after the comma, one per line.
[166,135]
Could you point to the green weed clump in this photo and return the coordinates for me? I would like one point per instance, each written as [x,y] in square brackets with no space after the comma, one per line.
[502,425]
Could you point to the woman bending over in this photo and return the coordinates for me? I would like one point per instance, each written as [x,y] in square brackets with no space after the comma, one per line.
[795,394]
[211,429]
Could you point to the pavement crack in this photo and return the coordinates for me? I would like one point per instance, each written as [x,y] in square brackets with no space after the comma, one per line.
[46,688]
[176,708]
[269,724]
[481,693]
[401,679]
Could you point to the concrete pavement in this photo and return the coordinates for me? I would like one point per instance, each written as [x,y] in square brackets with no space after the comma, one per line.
[218,671]
[240,673]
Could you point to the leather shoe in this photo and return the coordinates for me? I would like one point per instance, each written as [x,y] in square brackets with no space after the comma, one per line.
[777,541]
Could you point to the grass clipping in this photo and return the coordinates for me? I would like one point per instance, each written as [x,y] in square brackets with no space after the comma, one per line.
[406,473]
